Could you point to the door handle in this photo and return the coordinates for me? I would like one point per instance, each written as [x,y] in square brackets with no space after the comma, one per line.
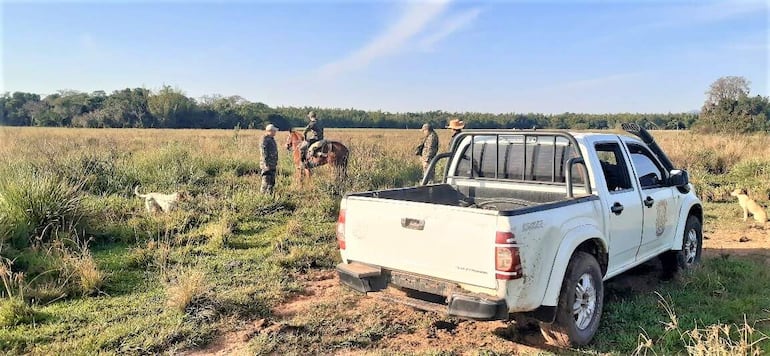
[617,208]
[648,202]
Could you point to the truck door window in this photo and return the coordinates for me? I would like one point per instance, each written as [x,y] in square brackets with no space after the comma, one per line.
[649,171]
[613,166]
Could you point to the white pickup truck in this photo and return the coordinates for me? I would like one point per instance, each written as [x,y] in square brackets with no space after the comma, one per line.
[525,224]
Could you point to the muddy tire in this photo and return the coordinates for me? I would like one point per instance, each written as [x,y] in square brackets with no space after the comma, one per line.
[692,246]
[580,304]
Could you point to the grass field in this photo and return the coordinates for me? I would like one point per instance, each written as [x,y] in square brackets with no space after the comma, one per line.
[87,271]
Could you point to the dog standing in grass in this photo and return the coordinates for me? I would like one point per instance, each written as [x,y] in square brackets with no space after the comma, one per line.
[158,202]
[750,206]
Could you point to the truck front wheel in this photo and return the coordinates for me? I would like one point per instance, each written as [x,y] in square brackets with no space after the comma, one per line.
[580,304]
[692,246]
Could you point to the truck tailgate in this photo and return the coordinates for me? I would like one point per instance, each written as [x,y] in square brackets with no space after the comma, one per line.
[449,242]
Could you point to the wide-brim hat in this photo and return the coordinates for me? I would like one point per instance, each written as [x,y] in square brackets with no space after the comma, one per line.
[456,124]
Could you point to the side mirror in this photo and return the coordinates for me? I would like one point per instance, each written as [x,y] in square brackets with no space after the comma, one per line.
[678,178]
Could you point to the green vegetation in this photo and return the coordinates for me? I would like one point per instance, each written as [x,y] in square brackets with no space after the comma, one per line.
[86,270]
[727,292]
[729,108]
[170,108]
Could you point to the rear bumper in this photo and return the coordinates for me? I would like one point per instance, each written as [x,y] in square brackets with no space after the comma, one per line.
[373,280]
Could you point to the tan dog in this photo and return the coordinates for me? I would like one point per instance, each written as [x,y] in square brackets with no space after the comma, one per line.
[157,202]
[750,206]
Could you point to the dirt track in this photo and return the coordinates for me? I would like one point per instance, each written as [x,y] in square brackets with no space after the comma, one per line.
[322,287]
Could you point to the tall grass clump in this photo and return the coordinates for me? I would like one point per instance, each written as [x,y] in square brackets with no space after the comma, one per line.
[83,268]
[36,205]
[373,167]
[169,167]
[14,309]
[184,287]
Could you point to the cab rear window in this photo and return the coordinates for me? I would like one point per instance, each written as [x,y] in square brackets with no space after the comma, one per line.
[521,157]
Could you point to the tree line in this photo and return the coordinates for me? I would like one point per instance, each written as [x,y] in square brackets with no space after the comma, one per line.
[171,108]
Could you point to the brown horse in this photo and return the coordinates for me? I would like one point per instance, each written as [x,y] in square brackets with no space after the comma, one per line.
[333,153]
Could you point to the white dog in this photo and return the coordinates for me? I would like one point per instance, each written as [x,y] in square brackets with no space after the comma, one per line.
[750,206]
[157,202]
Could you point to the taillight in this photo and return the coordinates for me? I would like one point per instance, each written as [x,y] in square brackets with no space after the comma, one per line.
[507,259]
[341,229]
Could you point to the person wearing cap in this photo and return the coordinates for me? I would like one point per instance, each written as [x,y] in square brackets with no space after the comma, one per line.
[429,146]
[456,126]
[269,160]
[314,132]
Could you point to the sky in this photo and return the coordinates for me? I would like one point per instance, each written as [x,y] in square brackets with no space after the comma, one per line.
[458,56]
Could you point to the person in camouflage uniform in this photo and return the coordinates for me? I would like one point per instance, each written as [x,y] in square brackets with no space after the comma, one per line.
[269,160]
[429,146]
[314,132]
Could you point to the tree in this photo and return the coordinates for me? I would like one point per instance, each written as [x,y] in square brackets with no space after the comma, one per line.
[171,107]
[727,88]
[15,108]
[128,108]
[728,108]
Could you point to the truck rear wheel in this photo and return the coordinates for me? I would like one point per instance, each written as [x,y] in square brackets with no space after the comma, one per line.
[580,304]
[692,246]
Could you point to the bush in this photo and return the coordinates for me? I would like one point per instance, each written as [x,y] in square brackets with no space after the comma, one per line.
[705,159]
[14,311]
[36,205]
[83,267]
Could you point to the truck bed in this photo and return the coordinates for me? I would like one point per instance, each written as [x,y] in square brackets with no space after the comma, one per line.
[470,197]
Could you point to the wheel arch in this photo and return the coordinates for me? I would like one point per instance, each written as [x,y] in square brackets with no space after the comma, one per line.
[694,208]
[587,239]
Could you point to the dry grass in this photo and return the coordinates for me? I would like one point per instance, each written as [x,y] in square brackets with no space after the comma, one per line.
[184,287]
[722,152]
[87,272]
[685,148]
[712,340]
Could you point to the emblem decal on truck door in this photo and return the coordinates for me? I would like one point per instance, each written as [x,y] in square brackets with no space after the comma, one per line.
[660,219]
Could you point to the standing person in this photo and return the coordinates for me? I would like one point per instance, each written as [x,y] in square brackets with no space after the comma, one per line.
[269,160]
[314,132]
[429,146]
[456,126]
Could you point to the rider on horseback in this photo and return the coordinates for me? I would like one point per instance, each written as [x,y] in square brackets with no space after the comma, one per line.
[314,132]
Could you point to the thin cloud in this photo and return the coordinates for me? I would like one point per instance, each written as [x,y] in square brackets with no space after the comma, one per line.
[678,16]
[597,82]
[415,18]
[450,26]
